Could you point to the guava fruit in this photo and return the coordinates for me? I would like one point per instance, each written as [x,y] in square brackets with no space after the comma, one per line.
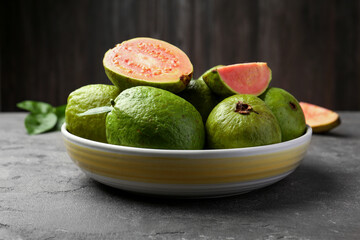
[200,96]
[244,78]
[149,117]
[320,119]
[241,121]
[287,111]
[83,99]
[148,62]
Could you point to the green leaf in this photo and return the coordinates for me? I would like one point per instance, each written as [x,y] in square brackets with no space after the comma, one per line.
[95,111]
[36,123]
[35,106]
[60,113]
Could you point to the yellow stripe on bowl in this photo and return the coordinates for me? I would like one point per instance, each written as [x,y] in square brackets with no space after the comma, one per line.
[185,170]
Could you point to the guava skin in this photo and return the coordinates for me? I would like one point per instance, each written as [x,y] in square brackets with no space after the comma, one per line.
[123,82]
[227,128]
[214,82]
[149,117]
[287,110]
[85,98]
[200,96]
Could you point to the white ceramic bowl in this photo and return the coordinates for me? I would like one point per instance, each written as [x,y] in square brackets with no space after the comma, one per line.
[186,173]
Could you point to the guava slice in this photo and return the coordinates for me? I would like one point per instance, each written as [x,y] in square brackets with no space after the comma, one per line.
[243,78]
[200,96]
[149,117]
[241,121]
[287,111]
[149,62]
[320,119]
[83,99]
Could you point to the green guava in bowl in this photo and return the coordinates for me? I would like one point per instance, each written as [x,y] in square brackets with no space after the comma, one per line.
[287,110]
[200,96]
[83,99]
[148,62]
[241,121]
[149,117]
[242,78]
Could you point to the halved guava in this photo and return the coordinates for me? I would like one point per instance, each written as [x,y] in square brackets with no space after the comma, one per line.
[320,119]
[149,62]
[243,78]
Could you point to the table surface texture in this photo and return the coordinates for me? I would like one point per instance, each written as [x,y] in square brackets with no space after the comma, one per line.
[44,195]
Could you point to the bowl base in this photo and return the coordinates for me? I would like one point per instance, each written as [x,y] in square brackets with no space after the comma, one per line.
[188,191]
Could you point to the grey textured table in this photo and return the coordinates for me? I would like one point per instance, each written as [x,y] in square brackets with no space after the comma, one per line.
[43,195]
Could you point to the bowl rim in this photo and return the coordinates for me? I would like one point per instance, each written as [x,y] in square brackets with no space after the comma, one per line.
[306,137]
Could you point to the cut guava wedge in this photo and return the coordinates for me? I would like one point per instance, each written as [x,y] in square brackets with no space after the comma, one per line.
[320,119]
[243,78]
[148,62]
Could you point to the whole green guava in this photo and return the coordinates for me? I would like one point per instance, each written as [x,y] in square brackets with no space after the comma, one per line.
[287,111]
[200,96]
[241,121]
[83,99]
[149,117]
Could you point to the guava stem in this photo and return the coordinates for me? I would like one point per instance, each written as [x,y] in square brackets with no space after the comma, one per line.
[244,108]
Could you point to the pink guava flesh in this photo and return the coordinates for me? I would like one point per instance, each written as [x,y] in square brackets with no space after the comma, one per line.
[149,59]
[246,78]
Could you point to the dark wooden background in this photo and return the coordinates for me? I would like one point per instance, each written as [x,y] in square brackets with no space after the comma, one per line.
[50,48]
